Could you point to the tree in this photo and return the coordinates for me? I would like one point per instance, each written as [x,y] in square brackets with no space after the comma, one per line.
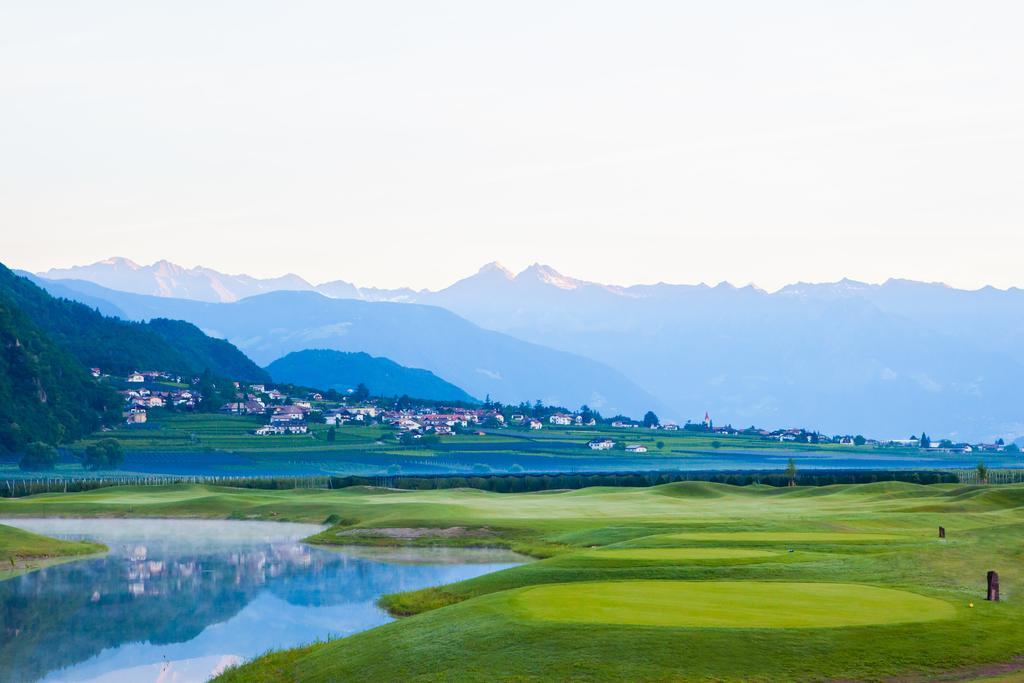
[925,441]
[982,473]
[38,456]
[361,393]
[1012,448]
[660,445]
[650,419]
[105,454]
[859,440]
[791,472]
[331,434]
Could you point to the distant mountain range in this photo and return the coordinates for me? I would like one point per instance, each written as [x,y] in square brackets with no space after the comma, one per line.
[167,279]
[481,362]
[885,360]
[326,369]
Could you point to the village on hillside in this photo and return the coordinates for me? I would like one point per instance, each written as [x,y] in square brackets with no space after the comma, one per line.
[289,410]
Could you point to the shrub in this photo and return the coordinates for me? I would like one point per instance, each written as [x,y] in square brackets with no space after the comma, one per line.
[38,456]
[105,454]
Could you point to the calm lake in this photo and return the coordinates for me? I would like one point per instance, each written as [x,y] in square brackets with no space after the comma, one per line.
[178,600]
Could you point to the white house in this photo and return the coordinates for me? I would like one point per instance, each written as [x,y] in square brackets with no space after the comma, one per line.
[635,448]
[601,444]
[536,424]
[136,378]
[560,419]
[267,429]
[281,429]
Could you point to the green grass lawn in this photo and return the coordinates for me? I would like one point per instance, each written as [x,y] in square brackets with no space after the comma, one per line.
[726,604]
[690,581]
[22,551]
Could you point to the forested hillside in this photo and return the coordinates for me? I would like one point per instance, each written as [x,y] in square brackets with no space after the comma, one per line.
[45,393]
[119,347]
[339,370]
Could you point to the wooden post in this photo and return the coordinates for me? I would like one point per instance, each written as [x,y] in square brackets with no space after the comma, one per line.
[993,587]
[942,532]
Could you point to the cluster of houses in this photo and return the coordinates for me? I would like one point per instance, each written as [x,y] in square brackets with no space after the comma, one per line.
[416,423]
[138,398]
[948,446]
[564,420]
[608,444]
[291,415]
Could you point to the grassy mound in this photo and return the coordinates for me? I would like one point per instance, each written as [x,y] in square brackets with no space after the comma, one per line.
[728,604]
[680,554]
[22,551]
[784,537]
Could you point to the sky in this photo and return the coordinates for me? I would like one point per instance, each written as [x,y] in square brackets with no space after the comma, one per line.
[407,143]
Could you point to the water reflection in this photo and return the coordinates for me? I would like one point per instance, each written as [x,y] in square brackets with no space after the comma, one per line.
[179,600]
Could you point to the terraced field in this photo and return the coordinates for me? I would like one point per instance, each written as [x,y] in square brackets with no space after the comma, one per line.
[224,445]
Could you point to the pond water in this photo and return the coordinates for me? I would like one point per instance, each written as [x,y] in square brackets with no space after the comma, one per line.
[178,600]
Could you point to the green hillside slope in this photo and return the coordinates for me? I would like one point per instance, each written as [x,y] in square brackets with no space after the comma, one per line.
[45,393]
[119,347]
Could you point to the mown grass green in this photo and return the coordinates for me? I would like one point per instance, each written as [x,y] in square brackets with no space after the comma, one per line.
[727,604]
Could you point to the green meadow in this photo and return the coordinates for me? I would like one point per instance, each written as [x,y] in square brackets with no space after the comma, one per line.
[690,581]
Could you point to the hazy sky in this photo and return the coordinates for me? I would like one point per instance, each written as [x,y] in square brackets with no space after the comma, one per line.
[407,143]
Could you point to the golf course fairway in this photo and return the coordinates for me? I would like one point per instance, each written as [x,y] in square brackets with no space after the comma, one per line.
[785,537]
[690,581]
[681,554]
[728,604]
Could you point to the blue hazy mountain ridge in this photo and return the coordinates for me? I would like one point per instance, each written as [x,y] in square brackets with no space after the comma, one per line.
[340,370]
[164,278]
[884,360]
[481,362]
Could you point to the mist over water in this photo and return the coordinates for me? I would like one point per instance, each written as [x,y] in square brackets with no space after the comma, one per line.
[182,599]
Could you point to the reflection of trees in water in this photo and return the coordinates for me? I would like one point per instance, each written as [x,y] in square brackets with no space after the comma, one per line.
[65,614]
